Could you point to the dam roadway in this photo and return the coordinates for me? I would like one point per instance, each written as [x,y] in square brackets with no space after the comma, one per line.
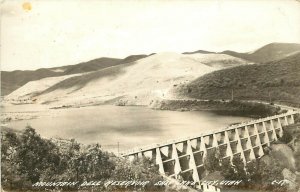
[184,158]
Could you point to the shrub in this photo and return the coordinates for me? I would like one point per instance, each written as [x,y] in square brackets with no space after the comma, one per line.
[286,137]
[27,158]
[297,118]
[212,161]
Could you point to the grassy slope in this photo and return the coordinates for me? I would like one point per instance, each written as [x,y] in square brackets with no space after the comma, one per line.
[279,79]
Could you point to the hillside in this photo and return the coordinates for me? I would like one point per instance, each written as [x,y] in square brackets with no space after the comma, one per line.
[32,88]
[277,81]
[136,83]
[219,61]
[267,53]
[12,80]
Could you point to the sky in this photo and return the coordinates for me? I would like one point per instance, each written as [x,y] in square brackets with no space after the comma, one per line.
[49,33]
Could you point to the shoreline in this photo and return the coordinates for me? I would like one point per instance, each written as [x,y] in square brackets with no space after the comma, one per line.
[252,109]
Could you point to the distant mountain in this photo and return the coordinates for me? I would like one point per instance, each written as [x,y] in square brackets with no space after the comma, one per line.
[267,53]
[276,80]
[136,83]
[199,51]
[12,80]
[133,58]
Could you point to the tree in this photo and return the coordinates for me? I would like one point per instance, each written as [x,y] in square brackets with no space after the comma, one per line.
[239,168]
[234,170]
[286,137]
[297,118]
[36,155]
[96,164]
[140,169]
[212,161]
[254,173]
[9,144]
[227,170]
[68,166]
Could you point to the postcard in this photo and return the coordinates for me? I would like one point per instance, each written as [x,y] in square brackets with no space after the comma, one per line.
[112,95]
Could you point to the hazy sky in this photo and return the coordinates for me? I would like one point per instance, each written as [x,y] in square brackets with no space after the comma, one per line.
[50,33]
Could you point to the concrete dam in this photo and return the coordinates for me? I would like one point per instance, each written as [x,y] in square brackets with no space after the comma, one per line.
[186,156]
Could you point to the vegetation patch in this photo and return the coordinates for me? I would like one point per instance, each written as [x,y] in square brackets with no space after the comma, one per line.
[27,159]
[236,108]
[277,81]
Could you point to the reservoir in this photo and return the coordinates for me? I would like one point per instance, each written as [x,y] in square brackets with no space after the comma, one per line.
[126,126]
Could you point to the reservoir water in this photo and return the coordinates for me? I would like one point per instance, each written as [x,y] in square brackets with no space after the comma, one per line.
[130,126]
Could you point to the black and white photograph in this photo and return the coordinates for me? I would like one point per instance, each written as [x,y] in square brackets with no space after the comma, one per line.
[150,95]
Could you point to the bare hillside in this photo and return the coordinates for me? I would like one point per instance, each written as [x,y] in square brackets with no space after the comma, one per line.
[12,80]
[136,83]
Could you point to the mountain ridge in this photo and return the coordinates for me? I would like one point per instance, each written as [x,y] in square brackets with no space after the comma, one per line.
[267,53]
[10,81]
